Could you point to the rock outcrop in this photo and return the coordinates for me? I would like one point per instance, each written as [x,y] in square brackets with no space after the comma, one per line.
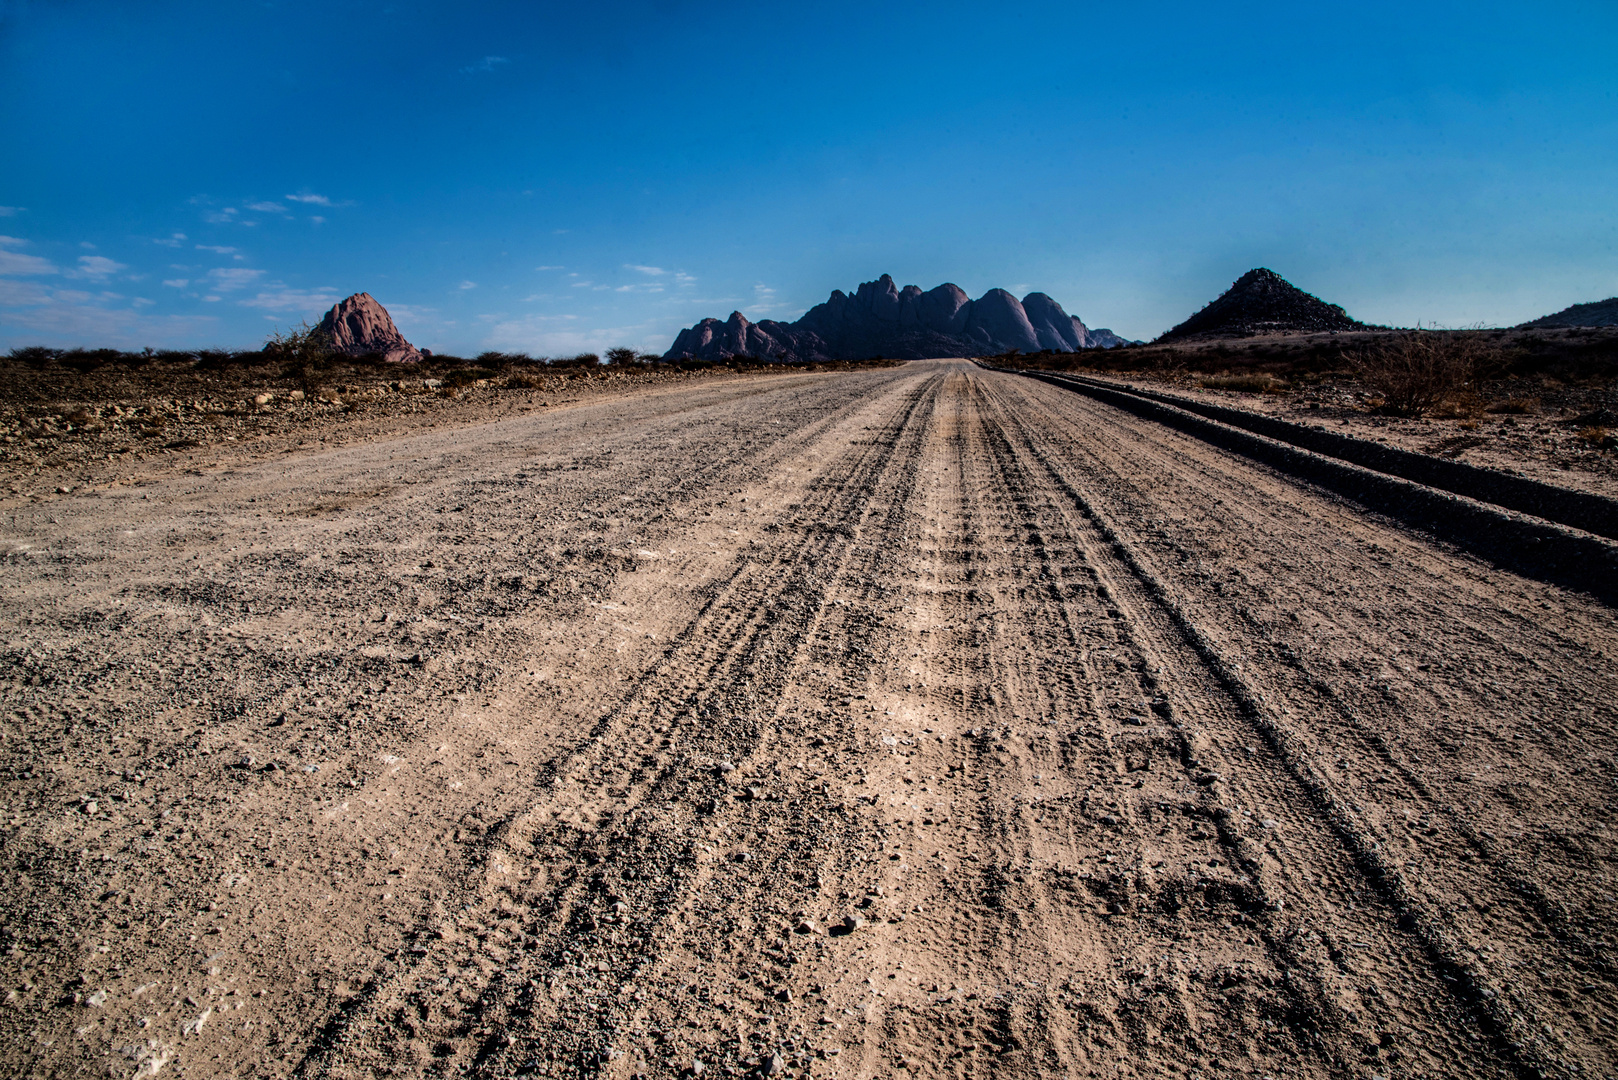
[1263,302]
[359,326]
[881,319]
[1599,313]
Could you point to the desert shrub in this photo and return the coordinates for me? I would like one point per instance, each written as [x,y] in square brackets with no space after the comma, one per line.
[1517,406]
[35,356]
[523,380]
[1599,437]
[303,344]
[493,359]
[622,356]
[583,360]
[468,376]
[85,361]
[1461,405]
[1254,384]
[1413,373]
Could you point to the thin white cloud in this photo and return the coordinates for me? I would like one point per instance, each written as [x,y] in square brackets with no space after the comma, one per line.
[277,297]
[467,285]
[580,284]
[96,267]
[683,279]
[220,248]
[18,264]
[313,200]
[488,63]
[230,278]
[177,283]
[86,245]
[172,241]
[653,271]
[226,216]
[11,211]
[550,268]
[317,219]
[538,335]
[212,299]
[30,312]
[268,208]
[22,293]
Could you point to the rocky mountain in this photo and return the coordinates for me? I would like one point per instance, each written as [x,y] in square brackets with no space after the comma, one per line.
[1263,302]
[881,319]
[1599,313]
[360,326]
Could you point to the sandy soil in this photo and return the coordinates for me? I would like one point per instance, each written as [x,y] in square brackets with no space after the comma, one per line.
[925,721]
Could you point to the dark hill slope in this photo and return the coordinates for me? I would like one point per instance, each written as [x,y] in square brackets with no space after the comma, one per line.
[1263,302]
[1599,313]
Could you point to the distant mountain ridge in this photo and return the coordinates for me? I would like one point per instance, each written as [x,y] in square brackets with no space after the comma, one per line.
[1598,313]
[1263,302]
[881,319]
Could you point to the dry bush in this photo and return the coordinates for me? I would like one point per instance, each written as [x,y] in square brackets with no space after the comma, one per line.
[1461,405]
[524,380]
[1517,406]
[1599,437]
[1255,384]
[1414,373]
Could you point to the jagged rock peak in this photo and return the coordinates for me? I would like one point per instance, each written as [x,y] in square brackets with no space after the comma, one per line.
[1263,302]
[360,326]
[881,319]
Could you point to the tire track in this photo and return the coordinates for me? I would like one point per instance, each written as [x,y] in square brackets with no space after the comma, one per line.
[1519,1034]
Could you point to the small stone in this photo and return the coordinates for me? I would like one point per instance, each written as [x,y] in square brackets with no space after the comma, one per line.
[852,923]
[296,395]
[774,1065]
[263,399]
[697,1066]
[754,793]
[726,767]
[97,999]
[806,926]
[92,807]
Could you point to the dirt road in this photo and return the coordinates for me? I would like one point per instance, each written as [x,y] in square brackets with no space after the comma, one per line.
[924,721]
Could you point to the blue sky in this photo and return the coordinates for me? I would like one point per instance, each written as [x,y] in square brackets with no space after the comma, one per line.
[561,177]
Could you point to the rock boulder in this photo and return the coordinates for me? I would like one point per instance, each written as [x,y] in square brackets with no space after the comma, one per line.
[881,319]
[359,326]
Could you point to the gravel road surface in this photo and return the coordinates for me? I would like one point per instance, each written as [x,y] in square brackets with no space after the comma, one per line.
[923,721]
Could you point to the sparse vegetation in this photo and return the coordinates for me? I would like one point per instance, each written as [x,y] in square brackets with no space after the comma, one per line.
[1599,437]
[1253,384]
[1413,373]
[1516,406]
